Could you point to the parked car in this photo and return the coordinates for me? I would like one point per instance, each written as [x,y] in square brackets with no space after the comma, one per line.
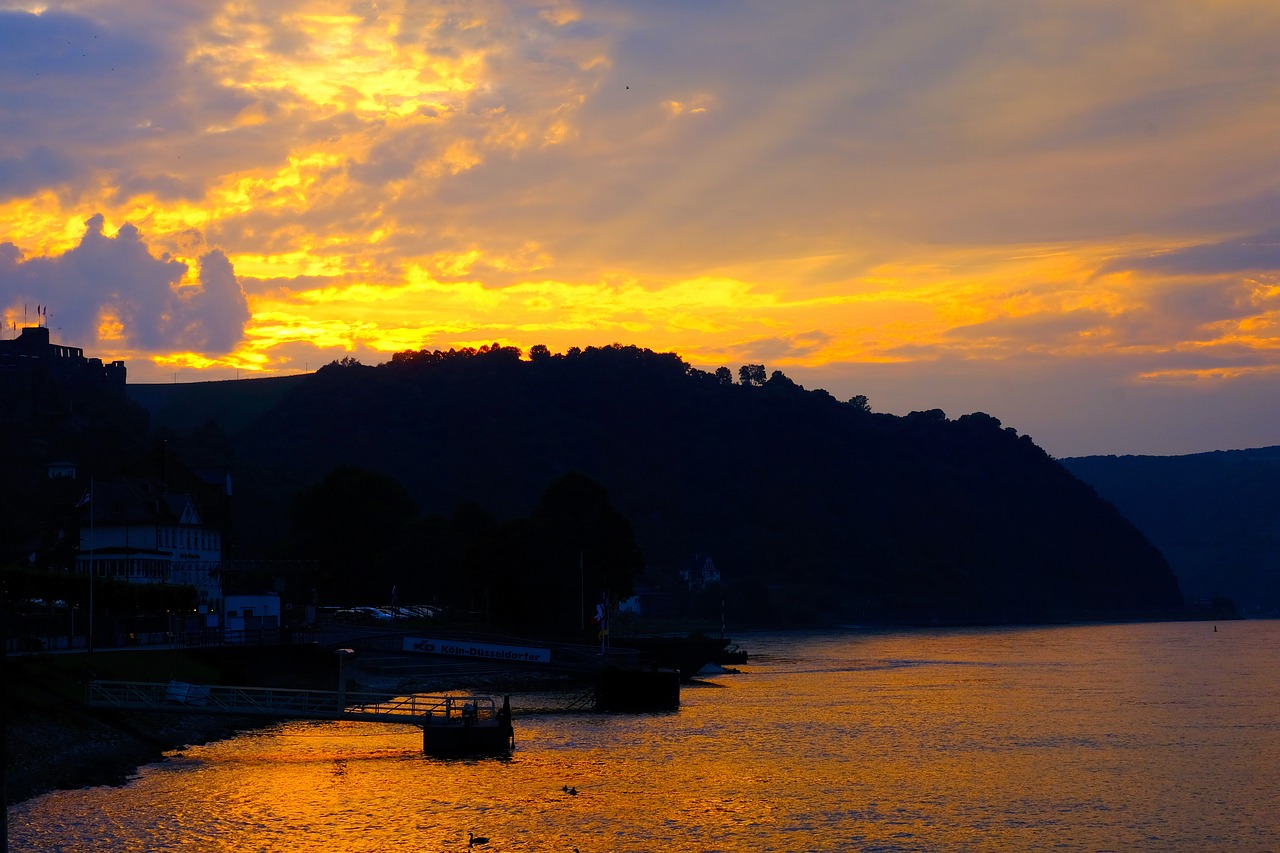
[376,613]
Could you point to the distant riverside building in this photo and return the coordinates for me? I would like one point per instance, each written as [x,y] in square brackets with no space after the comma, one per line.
[653,599]
[36,374]
[702,574]
[160,523]
[649,601]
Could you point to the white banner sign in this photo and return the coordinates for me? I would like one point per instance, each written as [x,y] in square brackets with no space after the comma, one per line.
[485,651]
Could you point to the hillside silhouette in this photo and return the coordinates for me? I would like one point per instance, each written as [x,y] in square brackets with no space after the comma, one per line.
[1215,516]
[812,508]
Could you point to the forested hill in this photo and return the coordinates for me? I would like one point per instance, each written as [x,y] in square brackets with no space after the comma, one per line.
[810,507]
[1215,516]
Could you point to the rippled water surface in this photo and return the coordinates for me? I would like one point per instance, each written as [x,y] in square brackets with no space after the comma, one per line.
[1127,737]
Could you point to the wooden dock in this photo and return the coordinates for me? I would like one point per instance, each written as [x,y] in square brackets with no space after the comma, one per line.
[451,724]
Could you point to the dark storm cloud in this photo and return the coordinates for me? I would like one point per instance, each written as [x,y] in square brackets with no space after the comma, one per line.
[1146,116]
[1238,215]
[1172,310]
[396,157]
[64,76]
[1079,406]
[1046,328]
[164,187]
[416,155]
[35,169]
[117,279]
[1259,252]
[1198,303]
[210,319]
[87,101]
[296,283]
[786,347]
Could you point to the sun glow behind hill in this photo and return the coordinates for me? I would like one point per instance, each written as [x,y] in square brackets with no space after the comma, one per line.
[1036,212]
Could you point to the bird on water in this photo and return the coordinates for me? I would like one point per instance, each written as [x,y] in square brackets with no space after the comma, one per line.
[474,840]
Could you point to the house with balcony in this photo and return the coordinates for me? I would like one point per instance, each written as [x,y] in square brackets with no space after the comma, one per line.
[157,522]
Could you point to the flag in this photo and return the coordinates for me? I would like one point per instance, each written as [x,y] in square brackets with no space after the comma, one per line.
[88,496]
[602,615]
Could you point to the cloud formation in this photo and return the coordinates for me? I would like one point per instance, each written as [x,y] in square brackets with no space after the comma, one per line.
[112,292]
[846,190]
[1250,253]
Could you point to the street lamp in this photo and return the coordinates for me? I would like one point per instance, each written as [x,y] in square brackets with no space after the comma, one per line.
[342,681]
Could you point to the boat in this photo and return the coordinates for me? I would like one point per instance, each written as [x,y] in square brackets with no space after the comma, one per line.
[634,690]
[685,654]
[731,655]
[469,726]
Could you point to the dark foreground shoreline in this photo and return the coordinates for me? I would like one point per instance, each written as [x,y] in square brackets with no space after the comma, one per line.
[55,742]
[80,750]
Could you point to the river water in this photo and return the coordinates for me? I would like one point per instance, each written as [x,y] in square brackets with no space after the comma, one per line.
[1112,737]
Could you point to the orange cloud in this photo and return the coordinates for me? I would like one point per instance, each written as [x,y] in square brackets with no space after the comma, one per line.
[901,191]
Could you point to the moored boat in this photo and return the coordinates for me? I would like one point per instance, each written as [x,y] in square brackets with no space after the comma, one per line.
[686,654]
[637,690]
[469,725]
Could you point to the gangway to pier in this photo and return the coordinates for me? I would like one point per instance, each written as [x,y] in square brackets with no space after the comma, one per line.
[282,703]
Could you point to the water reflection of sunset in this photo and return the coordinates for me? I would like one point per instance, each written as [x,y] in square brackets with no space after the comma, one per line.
[1135,737]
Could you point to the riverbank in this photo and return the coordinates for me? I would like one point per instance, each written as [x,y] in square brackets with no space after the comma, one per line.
[72,750]
[54,741]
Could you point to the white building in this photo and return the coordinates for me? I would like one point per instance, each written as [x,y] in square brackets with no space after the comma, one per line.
[247,617]
[144,528]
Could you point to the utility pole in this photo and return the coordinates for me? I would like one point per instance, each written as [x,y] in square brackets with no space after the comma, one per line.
[92,568]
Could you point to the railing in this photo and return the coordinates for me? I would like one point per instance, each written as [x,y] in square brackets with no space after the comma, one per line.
[281,703]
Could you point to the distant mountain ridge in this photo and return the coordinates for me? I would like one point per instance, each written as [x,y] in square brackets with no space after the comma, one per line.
[1215,516]
[812,508]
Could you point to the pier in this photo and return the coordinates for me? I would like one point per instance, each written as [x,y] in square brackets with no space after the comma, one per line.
[461,724]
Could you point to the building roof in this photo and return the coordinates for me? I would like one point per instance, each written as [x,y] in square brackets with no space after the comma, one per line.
[127,502]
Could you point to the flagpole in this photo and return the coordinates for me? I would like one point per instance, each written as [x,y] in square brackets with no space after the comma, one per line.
[93,548]
[603,609]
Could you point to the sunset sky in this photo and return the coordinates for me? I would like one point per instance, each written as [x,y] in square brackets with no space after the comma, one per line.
[1064,214]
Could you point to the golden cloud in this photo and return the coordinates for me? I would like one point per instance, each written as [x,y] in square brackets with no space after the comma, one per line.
[341,62]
